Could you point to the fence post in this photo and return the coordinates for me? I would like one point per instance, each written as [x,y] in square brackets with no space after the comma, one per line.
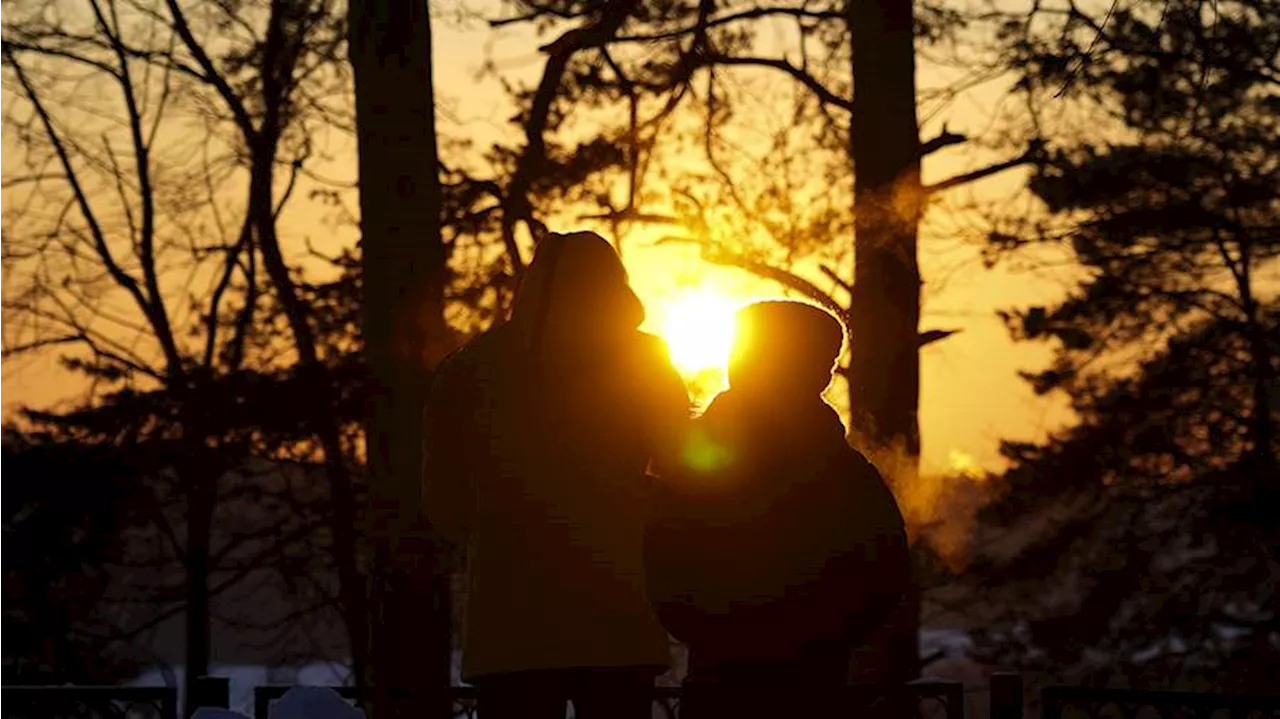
[212,692]
[1006,696]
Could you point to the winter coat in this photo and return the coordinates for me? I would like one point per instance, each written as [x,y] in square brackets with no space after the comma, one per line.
[538,437]
[775,535]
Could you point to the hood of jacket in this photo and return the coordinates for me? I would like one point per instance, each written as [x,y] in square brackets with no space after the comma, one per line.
[574,300]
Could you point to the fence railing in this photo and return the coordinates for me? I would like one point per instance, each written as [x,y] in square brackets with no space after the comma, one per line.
[930,699]
[935,699]
[1073,702]
[96,702]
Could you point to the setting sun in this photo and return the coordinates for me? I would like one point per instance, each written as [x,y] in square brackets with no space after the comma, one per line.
[699,330]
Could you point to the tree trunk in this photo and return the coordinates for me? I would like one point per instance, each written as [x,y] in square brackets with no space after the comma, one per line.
[884,316]
[1263,426]
[200,505]
[277,73]
[201,472]
[405,333]
[1262,423]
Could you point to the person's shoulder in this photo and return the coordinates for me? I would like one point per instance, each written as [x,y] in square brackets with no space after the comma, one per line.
[872,489]
[463,363]
[653,345]
[650,354]
[453,364]
[861,465]
[478,348]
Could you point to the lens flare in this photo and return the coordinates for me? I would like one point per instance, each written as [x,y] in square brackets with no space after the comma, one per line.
[704,454]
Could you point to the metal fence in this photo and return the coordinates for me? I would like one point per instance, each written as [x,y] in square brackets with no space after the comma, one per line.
[84,702]
[922,700]
[1100,703]
[934,700]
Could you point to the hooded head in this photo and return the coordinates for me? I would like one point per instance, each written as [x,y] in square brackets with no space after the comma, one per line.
[574,297]
[785,349]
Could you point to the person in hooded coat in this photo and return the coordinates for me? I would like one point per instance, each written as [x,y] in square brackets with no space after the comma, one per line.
[776,549]
[538,437]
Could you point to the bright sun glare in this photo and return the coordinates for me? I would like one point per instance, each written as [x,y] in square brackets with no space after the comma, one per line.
[699,330]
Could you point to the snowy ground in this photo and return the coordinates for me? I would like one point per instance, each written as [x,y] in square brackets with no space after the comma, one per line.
[953,642]
[245,678]
[954,667]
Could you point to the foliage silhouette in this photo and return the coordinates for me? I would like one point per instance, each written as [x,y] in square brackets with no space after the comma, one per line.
[1146,514]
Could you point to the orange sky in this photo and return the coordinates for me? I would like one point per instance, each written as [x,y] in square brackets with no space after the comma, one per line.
[971,395]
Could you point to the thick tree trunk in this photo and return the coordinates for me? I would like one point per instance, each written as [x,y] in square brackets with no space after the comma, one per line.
[885,312]
[405,272]
[884,317]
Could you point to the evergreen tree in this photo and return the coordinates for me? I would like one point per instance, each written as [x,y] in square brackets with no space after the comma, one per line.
[1162,180]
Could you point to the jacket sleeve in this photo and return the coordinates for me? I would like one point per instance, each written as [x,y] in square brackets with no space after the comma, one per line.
[448,487]
[892,573]
[666,569]
[679,577]
[876,567]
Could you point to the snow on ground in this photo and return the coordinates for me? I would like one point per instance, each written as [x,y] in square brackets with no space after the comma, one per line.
[953,642]
[954,666]
[245,678]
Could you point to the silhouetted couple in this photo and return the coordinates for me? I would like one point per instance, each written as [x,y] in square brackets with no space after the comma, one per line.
[561,453]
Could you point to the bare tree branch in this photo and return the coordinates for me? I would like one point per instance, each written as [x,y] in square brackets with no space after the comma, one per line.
[633,215]
[751,14]
[215,300]
[836,278]
[12,350]
[821,91]
[944,139]
[117,273]
[142,160]
[928,337]
[211,72]
[516,203]
[722,256]
[59,53]
[1032,154]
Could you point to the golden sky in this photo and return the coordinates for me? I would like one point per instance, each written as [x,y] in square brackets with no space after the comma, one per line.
[971,395]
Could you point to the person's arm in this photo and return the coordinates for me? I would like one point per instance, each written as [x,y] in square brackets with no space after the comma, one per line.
[892,575]
[875,569]
[892,552]
[667,568]
[448,487]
